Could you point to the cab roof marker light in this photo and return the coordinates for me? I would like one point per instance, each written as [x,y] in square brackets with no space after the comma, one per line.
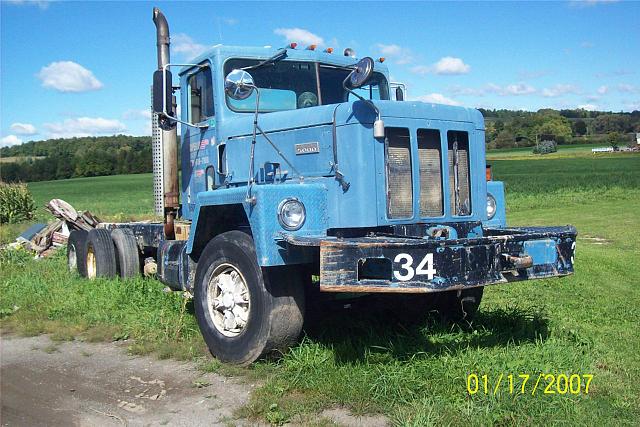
[328,50]
[381,59]
[312,47]
[293,45]
[350,52]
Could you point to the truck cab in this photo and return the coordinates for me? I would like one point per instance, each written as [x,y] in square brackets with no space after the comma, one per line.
[302,173]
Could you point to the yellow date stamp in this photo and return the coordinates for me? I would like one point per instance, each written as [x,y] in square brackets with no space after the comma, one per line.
[542,383]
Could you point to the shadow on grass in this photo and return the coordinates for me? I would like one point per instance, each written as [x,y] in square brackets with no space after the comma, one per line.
[357,333]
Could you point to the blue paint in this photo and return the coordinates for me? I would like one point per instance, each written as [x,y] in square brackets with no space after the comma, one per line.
[542,251]
[360,158]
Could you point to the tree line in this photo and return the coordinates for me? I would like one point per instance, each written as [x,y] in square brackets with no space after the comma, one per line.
[76,157]
[507,128]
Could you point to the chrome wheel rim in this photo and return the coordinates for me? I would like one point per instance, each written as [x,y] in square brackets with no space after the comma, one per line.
[91,263]
[228,300]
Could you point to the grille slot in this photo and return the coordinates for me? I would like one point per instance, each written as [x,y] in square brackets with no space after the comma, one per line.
[399,182]
[430,156]
[460,200]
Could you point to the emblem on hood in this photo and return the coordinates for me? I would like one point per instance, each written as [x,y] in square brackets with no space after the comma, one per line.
[307,148]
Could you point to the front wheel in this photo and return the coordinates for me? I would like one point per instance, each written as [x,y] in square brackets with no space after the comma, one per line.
[243,310]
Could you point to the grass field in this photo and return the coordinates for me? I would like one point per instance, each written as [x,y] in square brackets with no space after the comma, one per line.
[583,324]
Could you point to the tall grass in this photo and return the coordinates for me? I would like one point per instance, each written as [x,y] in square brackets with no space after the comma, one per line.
[368,363]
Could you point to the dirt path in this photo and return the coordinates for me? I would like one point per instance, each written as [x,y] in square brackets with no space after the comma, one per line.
[82,384]
[75,383]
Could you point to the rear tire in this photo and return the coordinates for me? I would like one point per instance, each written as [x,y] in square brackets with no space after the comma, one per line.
[127,253]
[101,256]
[77,252]
[245,311]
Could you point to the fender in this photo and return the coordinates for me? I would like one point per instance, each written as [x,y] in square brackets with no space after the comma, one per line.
[262,217]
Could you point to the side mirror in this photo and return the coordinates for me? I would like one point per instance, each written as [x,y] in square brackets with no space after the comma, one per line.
[361,73]
[399,94]
[239,85]
[162,92]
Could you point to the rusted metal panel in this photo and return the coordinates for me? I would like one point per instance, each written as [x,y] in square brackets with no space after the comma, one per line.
[497,256]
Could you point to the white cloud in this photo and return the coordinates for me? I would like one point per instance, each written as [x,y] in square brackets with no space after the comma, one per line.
[143,114]
[42,4]
[603,89]
[398,54]
[466,91]
[300,36]
[67,76]
[437,98]
[184,45]
[451,65]
[515,89]
[230,21]
[587,3]
[627,88]
[84,126]
[24,128]
[588,107]
[586,45]
[445,66]
[558,90]
[10,140]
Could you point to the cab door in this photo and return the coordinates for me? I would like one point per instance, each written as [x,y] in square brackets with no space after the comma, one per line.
[199,141]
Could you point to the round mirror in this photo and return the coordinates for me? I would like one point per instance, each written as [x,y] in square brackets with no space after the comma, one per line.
[239,85]
[361,72]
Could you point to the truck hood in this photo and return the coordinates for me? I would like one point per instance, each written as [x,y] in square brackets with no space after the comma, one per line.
[352,113]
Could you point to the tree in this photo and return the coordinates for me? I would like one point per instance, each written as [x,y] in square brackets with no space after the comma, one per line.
[579,128]
[614,140]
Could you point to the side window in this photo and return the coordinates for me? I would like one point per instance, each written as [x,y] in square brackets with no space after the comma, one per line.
[200,96]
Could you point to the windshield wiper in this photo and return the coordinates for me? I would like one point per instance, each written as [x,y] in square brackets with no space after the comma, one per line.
[279,56]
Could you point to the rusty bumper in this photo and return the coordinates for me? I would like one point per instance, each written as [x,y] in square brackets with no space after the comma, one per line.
[382,263]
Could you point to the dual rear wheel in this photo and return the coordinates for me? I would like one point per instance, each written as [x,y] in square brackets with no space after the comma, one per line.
[101,253]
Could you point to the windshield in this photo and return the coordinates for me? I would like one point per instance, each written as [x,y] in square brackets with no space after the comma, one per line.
[289,85]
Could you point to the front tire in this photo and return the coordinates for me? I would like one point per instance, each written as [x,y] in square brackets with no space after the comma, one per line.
[245,311]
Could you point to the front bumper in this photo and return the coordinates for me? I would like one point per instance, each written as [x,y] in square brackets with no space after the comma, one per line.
[382,263]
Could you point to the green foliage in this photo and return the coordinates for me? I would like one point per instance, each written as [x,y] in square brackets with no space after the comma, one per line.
[614,140]
[545,147]
[16,203]
[506,128]
[77,157]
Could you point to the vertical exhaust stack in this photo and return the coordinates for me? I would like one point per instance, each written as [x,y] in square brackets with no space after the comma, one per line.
[169,138]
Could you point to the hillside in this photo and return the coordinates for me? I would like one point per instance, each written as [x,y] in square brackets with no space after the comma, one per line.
[76,157]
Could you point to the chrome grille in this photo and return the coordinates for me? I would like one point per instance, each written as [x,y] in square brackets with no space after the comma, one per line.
[399,183]
[460,200]
[431,203]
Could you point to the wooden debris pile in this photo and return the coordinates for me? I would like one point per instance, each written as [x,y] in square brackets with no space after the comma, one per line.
[46,238]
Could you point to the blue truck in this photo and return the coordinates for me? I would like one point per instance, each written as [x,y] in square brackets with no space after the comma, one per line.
[301,176]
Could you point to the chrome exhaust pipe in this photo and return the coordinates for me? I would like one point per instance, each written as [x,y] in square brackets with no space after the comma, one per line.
[169,169]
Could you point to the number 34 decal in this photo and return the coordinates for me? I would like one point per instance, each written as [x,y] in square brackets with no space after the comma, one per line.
[407,272]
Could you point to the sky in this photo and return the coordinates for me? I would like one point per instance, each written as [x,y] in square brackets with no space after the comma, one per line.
[84,68]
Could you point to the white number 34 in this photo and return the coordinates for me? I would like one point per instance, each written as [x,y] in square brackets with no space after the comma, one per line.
[425,267]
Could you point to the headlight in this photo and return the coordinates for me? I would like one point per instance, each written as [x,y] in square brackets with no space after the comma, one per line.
[291,214]
[491,206]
